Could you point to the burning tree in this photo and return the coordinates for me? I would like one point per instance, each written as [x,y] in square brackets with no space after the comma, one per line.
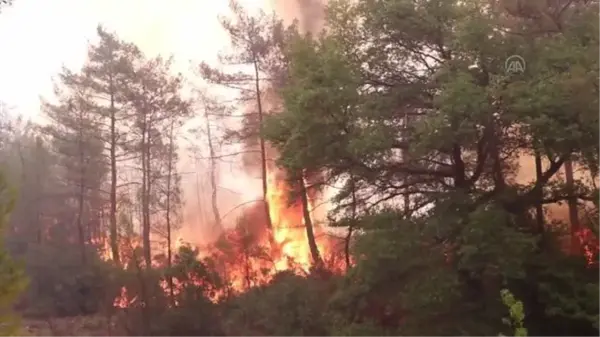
[258,42]
[251,38]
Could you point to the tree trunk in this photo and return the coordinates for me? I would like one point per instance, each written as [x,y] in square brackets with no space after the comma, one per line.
[350,226]
[147,244]
[38,183]
[81,196]
[263,154]
[406,197]
[80,229]
[572,204]
[168,215]
[539,210]
[145,197]
[310,235]
[199,210]
[247,276]
[213,178]
[145,315]
[114,235]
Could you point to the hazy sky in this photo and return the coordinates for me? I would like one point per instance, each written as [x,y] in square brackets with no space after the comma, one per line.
[38,36]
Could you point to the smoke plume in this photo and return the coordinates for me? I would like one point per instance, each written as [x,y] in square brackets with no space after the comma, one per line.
[310,17]
[309,13]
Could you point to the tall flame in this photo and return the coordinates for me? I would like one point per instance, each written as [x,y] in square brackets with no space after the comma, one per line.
[289,227]
[243,271]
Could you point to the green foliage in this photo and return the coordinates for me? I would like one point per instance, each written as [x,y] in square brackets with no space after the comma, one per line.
[187,311]
[309,106]
[289,306]
[408,106]
[516,313]
[62,286]
[195,277]
[412,99]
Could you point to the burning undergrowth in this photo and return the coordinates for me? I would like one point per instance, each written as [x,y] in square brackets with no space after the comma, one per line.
[242,258]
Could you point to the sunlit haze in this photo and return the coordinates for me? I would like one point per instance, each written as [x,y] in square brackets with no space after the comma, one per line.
[38,37]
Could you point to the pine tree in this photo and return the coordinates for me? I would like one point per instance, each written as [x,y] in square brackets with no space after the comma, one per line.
[212,110]
[253,42]
[471,225]
[156,102]
[76,137]
[108,68]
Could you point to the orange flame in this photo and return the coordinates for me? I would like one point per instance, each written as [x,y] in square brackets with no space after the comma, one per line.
[244,266]
[289,229]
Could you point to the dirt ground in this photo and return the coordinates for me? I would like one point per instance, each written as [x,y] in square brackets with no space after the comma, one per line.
[71,326]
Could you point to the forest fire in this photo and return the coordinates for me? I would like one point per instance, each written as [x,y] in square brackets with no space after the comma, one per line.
[289,229]
[244,257]
[589,246]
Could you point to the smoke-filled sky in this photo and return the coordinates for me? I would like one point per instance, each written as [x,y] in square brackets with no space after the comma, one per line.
[38,36]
